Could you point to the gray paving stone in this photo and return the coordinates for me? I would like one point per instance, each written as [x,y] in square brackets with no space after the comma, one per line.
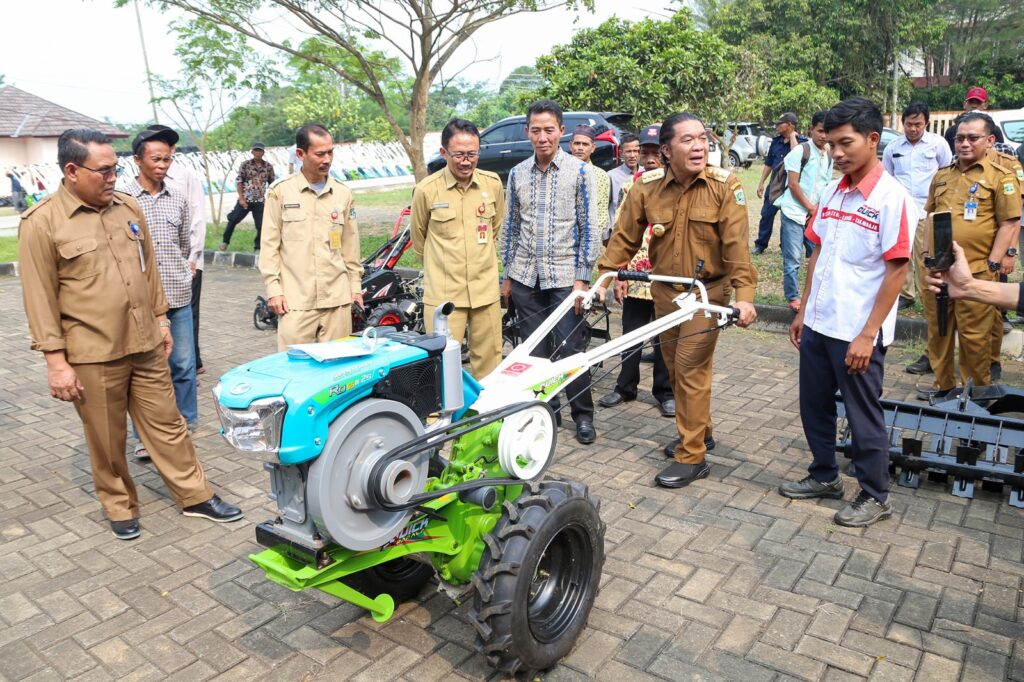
[722,580]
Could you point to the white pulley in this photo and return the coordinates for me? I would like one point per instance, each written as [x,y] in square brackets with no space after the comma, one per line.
[527,441]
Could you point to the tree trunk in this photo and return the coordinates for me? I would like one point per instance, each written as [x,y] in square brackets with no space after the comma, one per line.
[418,123]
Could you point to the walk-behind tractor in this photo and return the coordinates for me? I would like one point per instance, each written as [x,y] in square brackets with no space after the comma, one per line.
[391,465]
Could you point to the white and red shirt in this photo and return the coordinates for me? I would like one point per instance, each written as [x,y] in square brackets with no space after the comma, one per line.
[857,229]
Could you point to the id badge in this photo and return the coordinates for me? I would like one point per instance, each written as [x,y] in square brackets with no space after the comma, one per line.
[481,234]
[970,210]
[335,236]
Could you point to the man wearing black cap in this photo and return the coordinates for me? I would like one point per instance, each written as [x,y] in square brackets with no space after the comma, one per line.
[786,138]
[167,215]
[254,176]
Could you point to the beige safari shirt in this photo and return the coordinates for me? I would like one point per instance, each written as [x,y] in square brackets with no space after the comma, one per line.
[454,232]
[309,247]
[89,280]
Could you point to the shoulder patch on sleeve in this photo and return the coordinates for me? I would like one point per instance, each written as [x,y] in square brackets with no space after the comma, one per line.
[652,175]
[715,173]
[1008,186]
[741,198]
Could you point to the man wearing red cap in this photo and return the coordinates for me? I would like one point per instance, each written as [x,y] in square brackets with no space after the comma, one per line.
[976,100]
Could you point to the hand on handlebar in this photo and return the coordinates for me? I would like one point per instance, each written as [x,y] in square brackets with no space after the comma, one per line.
[748,314]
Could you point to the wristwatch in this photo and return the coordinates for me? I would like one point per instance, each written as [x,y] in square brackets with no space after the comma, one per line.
[166,324]
[1012,252]
[994,266]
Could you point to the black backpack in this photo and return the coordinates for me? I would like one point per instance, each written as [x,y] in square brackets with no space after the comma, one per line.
[779,182]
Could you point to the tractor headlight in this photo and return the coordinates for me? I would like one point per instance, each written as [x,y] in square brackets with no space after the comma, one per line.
[256,428]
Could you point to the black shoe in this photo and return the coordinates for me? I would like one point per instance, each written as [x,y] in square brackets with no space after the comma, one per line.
[904,303]
[920,366]
[670,447]
[648,357]
[612,399]
[668,408]
[214,509]
[125,530]
[757,250]
[933,395]
[585,431]
[807,488]
[863,511]
[678,475]
[996,370]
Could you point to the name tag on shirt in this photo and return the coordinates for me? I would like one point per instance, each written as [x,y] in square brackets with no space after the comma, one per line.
[292,206]
[433,206]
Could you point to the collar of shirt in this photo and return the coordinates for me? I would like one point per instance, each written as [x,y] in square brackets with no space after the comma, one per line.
[984,162]
[866,185]
[72,203]
[670,177]
[556,162]
[136,189]
[451,181]
[306,184]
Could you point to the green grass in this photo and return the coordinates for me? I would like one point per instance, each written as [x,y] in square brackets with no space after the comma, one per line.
[397,198]
[8,249]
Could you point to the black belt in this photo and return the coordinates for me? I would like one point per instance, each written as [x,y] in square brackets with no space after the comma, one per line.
[686,287]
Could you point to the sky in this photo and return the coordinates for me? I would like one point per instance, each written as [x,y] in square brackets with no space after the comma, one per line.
[86,55]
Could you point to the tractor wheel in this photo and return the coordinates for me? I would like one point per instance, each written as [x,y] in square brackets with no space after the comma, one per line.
[401,578]
[388,315]
[538,577]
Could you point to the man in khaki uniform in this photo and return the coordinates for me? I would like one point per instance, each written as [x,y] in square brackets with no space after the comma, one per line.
[97,312]
[309,255]
[1008,263]
[696,213]
[456,213]
[983,194]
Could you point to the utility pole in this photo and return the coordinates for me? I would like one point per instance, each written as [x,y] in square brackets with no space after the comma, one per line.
[145,61]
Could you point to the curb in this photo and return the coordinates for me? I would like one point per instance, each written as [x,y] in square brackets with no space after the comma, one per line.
[907,329]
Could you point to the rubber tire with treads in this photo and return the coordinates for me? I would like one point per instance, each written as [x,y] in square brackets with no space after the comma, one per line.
[734,160]
[388,315]
[538,576]
[401,578]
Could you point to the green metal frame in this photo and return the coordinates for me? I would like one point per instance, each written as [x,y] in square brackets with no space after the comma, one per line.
[455,544]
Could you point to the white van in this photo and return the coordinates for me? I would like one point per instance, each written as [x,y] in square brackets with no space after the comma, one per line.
[1011,122]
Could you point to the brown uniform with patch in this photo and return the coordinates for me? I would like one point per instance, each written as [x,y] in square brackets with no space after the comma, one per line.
[705,220]
[999,199]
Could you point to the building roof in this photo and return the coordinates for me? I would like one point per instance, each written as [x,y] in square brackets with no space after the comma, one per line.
[23,114]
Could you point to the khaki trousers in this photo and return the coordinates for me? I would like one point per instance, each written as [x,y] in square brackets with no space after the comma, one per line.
[484,334]
[970,324]
[139,385]
[917,269]
[689,368]
[314,326]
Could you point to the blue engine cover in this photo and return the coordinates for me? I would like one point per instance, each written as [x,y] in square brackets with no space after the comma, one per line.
[315,392]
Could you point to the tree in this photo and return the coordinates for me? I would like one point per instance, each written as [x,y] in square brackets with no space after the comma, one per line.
[982,38]
[423,37]
[648,68]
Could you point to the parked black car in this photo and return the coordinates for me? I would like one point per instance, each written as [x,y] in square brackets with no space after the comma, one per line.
[504,144]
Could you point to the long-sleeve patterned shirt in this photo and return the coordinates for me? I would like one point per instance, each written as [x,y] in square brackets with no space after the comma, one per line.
[168,219]
[254,179]
[551,233]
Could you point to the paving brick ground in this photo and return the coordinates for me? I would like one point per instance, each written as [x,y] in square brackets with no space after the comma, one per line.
[724,580]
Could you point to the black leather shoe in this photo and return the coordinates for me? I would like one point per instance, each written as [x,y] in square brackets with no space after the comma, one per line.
[996,370]
[125,530]
[863,511]
[214,509]
[648,357]
[668,408]
[678,475]
[670,447]
[612,399]
[904,303]
[585,431]
[920,366]
[757,250]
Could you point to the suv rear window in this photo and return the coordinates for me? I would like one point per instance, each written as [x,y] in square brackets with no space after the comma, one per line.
[509,132]
[1014,130]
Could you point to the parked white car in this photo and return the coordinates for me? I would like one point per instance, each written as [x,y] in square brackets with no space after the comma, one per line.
[1011,122]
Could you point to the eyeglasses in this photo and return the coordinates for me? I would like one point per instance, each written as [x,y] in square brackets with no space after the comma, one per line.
[105,173]
[973,139]
[464,156]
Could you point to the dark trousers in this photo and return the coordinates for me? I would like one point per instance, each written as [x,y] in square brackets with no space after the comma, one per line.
[533,305]
[236,216]
[636,312]
[767,224]
[822,372]
[197,290]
